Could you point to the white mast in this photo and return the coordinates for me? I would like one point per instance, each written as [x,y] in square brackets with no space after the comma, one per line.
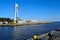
[16,12]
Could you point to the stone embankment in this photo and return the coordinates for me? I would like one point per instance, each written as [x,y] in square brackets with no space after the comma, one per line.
[55,35]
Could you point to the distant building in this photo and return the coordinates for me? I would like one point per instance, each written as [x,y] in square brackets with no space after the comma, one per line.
[1,22]
[21,22]
[5,22]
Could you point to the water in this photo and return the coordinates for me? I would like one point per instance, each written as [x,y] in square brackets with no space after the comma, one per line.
[25,32]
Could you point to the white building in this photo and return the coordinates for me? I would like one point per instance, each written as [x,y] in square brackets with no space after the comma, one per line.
[1,22]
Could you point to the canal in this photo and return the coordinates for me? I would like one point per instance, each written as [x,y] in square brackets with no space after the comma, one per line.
[25,32]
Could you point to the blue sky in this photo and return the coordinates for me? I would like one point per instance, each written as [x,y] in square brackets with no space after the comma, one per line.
[46,10]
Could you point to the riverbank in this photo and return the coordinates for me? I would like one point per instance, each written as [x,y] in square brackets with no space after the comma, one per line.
[24,24]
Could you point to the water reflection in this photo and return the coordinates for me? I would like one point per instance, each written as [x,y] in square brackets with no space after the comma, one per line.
[16,35]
